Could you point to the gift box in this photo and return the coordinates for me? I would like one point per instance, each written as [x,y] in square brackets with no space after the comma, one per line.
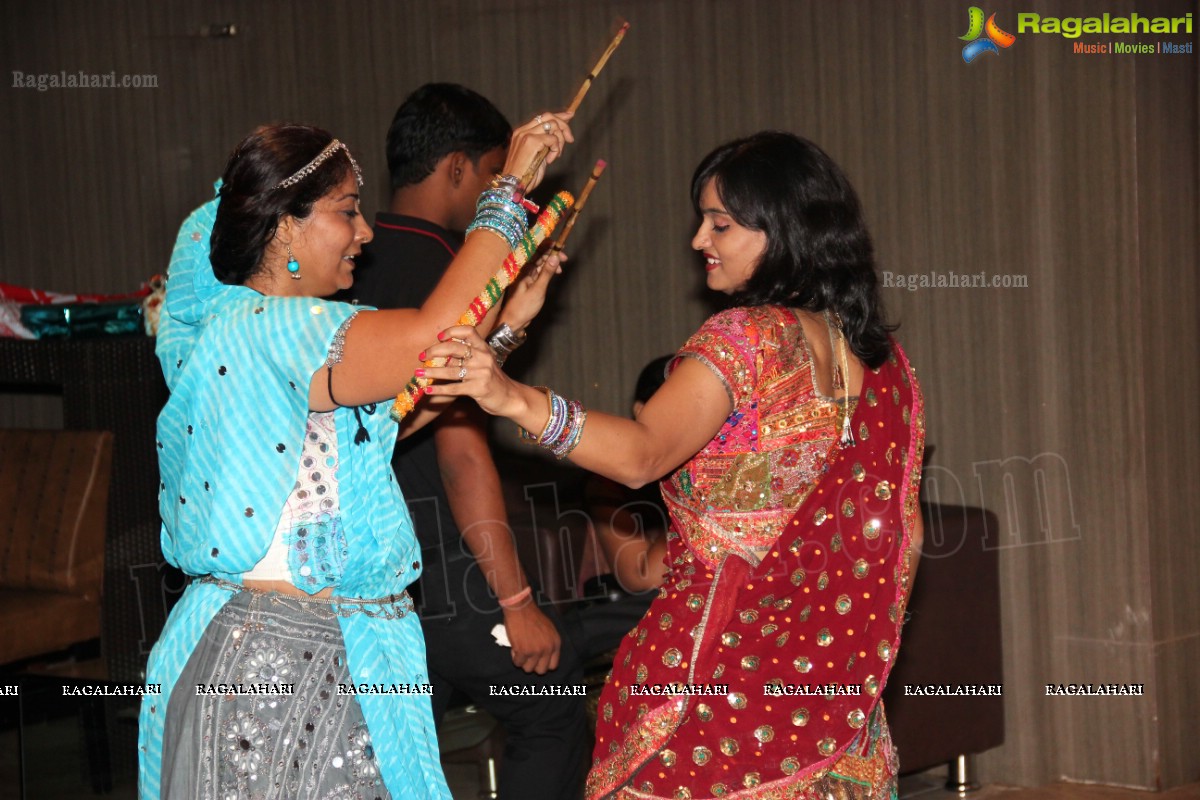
[82,320]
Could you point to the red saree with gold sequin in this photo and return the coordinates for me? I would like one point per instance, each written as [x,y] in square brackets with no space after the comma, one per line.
[760,677]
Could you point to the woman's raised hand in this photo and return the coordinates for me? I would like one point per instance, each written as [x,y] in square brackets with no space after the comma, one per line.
[470,371]
[527,295]
[550,129]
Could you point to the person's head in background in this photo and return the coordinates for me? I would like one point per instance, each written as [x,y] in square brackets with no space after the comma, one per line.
[652,376]
[444,146]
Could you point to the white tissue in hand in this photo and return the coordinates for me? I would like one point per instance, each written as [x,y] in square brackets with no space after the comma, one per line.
[501,636]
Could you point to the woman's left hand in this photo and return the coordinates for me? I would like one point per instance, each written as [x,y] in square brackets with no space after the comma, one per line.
[528,295]
[470,371]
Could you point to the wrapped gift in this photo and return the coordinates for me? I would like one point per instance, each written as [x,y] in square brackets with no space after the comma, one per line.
[82,320]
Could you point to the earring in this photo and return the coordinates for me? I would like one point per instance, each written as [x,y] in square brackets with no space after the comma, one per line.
[293,266]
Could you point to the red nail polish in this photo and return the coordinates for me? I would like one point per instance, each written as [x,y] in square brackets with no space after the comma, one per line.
[420,373]
[421,356]
[442,336]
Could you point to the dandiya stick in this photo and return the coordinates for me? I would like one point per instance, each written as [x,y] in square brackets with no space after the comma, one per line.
[527,178]
[541,230]
[597,171]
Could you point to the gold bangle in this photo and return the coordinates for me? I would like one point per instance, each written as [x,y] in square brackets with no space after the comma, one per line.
[529,437]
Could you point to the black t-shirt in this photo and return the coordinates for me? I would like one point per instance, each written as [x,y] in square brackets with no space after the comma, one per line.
[399,269]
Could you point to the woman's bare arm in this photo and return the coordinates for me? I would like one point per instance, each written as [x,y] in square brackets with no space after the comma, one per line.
[682,416]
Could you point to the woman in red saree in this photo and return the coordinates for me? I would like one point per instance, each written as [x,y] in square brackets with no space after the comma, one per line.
[792,429]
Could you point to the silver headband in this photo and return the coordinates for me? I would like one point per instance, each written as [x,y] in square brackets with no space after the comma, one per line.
[322,157]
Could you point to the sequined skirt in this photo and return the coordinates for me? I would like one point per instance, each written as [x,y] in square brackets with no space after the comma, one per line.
[257,713]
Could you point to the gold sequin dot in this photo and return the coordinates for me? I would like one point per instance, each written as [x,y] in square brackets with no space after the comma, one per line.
[704,713]
[781,640]
[863,433]
[871,685]
[858,472]
[695,602]
[871,528]
[802,664]
[667,757]
[820,516]
[665,621]
[672,658]
[750,663]
[751,779]
[861,568]
[800,717]
[718,790]
[848,508]
[798,576]
[872,400]
[824,637]
[701,755]
[843,604]
[737,700]
[884,650]
[718,672]
[769,628]
[764,733]
[790,765]
[730,639]
[641,674]
[827,746]
[748,616]
[608,712]
[623,695]
[794,547]
[729,746]
[856,718]
[883,491]
[683,793]
[823,581]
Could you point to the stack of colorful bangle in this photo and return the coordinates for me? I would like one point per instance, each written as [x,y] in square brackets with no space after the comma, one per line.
[503,341]
[564,427]
[498,212]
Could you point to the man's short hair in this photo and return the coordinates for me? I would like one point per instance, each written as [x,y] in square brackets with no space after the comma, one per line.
[436,120]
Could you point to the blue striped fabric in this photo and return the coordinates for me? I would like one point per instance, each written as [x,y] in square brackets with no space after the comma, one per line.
[238,365]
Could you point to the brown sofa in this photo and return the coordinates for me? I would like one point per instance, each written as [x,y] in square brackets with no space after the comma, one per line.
[53,501]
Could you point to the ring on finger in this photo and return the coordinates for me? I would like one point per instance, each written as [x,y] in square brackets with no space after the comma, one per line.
[462,373]
[547,127]
[538,119]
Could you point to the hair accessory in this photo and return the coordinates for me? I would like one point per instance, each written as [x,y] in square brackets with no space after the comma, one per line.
[293,266]
[516,599]
[322,157]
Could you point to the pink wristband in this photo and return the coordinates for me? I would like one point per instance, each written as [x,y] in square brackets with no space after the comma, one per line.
[510,602]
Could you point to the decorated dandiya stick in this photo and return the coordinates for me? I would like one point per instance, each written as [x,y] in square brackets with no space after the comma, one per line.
[597,171]
[536,164]
[560,205]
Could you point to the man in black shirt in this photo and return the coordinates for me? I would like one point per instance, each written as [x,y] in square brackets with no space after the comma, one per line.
[444,146]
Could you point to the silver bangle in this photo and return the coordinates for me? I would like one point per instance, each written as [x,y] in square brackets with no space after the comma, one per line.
[510,185]
[503,341]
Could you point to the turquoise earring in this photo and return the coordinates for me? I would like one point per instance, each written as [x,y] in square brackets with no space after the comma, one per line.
[293,266]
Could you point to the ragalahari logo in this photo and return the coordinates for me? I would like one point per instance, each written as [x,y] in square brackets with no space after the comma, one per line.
[993,41]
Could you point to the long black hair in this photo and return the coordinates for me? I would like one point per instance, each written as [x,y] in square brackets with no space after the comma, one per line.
[819,255]
[252,205]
